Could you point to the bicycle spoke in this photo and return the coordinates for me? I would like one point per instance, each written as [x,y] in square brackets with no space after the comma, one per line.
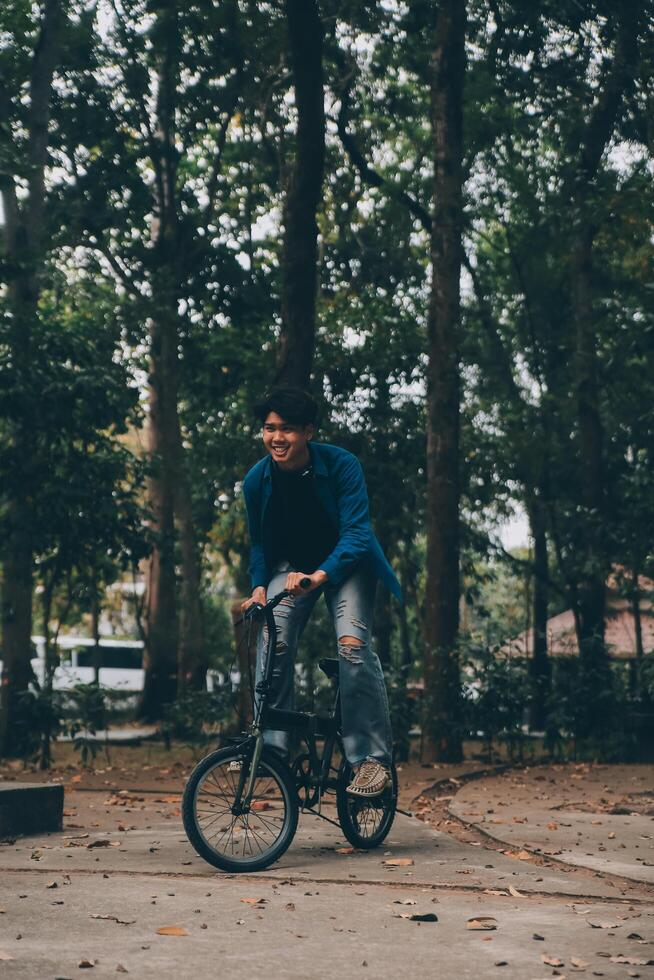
[245,836]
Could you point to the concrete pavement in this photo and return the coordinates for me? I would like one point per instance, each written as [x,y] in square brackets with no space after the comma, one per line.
[595,816]
[322,913]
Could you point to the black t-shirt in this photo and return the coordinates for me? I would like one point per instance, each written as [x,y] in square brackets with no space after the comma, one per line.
[302,532]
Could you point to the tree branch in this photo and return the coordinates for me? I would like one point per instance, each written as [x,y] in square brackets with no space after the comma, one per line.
[367,173]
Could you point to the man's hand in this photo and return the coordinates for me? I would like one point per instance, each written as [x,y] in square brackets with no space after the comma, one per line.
[258,596]
[294,578]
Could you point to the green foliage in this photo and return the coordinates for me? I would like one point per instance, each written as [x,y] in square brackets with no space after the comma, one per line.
[198,717]
[78,713]
[533,77]
[497,692]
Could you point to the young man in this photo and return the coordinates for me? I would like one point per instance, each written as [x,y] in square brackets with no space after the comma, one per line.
[307,508]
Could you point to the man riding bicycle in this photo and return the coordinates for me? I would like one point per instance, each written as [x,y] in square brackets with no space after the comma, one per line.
[307,509]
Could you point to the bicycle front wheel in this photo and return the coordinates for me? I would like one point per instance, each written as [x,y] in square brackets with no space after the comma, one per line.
[223,836]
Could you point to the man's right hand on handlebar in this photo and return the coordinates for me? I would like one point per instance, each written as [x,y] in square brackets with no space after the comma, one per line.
[258,597]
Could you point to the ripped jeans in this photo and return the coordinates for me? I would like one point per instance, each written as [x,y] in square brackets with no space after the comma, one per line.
[364,702]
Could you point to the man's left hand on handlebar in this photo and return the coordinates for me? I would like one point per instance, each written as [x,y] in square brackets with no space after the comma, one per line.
[294,579]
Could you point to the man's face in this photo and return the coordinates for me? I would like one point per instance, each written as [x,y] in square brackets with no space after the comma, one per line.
[287,443]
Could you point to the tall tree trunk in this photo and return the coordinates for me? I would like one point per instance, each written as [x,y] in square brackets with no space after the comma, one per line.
[591,589]
[160,654]
[24,243]
[540,664]
[16,630]
[174,654]
[638,622]
[303,191]
[591,601]
[192,655]
[442,682]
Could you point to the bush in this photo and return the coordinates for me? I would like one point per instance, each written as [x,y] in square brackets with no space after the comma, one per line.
[78,712]
[497,695]
[198,717]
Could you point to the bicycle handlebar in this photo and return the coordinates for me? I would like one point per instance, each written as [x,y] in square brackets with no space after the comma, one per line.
[256,609]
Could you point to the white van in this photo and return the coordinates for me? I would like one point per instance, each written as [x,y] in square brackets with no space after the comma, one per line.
[121,662]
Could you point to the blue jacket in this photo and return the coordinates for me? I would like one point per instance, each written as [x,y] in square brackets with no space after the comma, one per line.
[341,487]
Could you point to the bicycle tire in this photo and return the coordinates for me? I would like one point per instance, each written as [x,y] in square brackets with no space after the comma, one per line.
[271,769]
[354,811]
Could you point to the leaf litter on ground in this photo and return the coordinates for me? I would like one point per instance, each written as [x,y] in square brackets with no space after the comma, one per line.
[482,922]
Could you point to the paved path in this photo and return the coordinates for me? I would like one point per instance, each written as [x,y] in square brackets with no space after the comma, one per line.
[598,817]
[323,914]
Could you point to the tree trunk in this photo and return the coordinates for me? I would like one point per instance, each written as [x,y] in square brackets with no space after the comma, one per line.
[303,191]
[24,241]
[192,655]
[598,133]
[169,666]
[160,653]
[540,665]
[591,589]
[442,682]
[16,631]
[638,622]
[95,630]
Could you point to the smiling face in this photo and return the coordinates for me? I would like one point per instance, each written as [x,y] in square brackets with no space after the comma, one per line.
[286,442]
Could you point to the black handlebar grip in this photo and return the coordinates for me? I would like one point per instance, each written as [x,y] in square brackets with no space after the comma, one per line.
[305,583]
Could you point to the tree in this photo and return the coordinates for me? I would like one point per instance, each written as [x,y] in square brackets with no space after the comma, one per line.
[442,683]
[24,197]
[302,197]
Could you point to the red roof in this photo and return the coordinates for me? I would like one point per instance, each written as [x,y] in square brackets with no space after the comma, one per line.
[619,625]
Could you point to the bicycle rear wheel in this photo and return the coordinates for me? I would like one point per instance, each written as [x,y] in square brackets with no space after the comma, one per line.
[234,841]
[365,821]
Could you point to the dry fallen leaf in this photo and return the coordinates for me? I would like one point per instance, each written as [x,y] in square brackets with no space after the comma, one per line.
[289,907]
[398,862]
[551,960]
[52,884]
[515,892]
[101,842]
[253,901]
[496,891]
[578,964]
[346,850]
[260,805]
[521,855]
[172,931]
[36,855]
[86,964]
[631,960]
[552,826]
[484,922]
[5,956]
[417,916]
[603,925]
[405,901]
[121,969]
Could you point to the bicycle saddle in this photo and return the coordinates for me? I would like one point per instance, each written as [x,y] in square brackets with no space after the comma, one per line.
[329,667]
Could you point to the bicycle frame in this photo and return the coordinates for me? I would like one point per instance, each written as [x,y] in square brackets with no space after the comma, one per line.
[308,726]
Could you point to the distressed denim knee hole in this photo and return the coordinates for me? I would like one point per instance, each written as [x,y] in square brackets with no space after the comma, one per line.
[347,645]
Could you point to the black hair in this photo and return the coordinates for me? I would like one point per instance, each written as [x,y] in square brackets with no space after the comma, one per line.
[294,405]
